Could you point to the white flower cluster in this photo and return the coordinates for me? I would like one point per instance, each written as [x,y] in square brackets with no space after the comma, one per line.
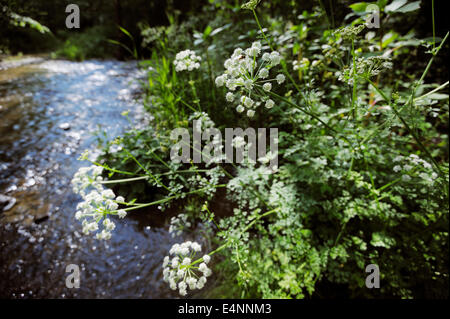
[239,141]
[300,65]
[177,224]
[365,67]
[186,60]
[97,204]
[350,32]
[181,271]
[248,81]
[413,165]
[87,177]
[204,121]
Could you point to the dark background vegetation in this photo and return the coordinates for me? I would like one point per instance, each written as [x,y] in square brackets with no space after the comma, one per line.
[100,18]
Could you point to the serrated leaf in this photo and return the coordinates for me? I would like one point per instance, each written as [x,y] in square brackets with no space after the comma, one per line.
[381,240]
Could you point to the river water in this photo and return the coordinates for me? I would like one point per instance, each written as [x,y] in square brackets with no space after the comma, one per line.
[49,113]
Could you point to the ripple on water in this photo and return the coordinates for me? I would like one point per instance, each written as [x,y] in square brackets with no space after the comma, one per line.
[39,235]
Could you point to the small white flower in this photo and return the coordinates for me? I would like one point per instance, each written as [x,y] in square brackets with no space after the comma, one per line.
[266,57]
[251,113]
[254,51]
[238,141]
[206,259]
[263,73]
[120,199]
[186,261]
[78,215]
[240,109]
[196,247]
[166,262]
[280,78]
[275,58]
[202,267]
[105,235]
[407,167]
[426,165]
[121,213]
[183,292]
[267,87]
[248,102]
[270,104]
[109,225]
[248,84]
[108,193]
[230,97]
[406,178]
[207,272]
[220,80]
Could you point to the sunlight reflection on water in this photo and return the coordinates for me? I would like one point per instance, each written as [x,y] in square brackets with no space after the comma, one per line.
[49,114]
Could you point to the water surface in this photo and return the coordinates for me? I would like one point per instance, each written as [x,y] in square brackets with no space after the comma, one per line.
[49,113]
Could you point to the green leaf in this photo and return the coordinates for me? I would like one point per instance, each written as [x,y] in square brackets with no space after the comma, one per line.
[388,38]
[381,240]
[438,96]
[359,6]
[401,6]
[198,41]
[207,32]
[410,7]
[394,5]
[126,32]
[218,30]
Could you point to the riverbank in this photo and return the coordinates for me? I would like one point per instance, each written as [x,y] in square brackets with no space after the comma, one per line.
[14,61]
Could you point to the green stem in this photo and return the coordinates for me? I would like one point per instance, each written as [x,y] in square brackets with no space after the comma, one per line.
[166,199]
[413,134]
[355,80]
[228,242]
[434,28]
[431,92]
[308,113]
[262,31]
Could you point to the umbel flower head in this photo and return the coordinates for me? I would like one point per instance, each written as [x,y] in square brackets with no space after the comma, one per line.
[186,60]
[350,32]
[250,5]
[365,67]
[180,270]
[97,205]
[247,77]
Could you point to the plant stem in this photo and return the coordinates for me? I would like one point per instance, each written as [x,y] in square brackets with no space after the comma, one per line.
[228,242]
[355,80]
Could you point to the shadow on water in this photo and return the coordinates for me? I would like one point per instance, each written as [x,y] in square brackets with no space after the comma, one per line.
[49,113]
